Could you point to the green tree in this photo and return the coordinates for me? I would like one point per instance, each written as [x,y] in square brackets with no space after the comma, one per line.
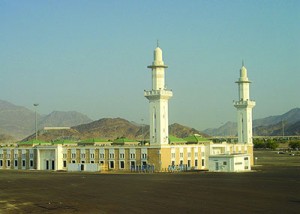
[294,144]
[263,144]
[259,144]
[272,145]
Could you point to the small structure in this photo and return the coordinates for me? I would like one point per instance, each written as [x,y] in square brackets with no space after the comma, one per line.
[196,139]
[229,163]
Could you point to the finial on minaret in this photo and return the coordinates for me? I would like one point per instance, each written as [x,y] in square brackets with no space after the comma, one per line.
[157,43]
[158,60]
[243,63]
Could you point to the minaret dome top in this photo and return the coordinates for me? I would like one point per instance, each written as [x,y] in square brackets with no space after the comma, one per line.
[243,74]
[158,57]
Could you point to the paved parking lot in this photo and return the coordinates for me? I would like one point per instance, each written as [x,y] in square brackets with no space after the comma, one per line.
[274,187]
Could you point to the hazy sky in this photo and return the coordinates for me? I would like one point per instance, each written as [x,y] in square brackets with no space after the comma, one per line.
[92,56]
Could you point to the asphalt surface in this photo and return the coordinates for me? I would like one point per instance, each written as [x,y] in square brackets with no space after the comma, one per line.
[273,187]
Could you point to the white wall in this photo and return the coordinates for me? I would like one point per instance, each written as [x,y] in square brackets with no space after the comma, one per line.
[92,167]
[229,163]
[73,167]
[59,159]
[45,155]
[87,167]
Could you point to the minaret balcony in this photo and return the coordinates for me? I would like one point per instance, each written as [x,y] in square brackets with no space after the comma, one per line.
[158,94]
[244,104]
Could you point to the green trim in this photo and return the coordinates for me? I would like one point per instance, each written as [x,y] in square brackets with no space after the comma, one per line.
[94,140]
[33,142]
[63,142]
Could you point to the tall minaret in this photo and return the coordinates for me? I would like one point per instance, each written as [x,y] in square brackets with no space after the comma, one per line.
[244,108]
[158,99]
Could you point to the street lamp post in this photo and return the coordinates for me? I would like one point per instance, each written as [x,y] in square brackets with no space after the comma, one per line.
[35,105]
[142,131]
[282,123]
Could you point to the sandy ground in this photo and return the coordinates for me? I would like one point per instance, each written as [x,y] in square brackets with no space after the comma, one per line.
[274,187]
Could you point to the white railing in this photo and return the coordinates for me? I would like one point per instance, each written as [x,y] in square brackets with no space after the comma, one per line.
[244,102]
[158,92]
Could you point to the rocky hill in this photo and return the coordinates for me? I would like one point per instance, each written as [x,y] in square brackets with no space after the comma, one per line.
[110,129]
[290,117]
[64,118]
[287,124]
[16,121]
[4,138]
[19,122]
[181,131]
[279,129]
[228,129]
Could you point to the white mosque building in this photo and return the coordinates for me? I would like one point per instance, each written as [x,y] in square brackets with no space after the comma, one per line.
[162,154]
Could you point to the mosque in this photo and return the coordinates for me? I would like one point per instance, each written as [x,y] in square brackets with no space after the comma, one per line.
[162,154]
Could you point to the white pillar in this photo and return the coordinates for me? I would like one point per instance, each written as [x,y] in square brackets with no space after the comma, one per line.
[38,160]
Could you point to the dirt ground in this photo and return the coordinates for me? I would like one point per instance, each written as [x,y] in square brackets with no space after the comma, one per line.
[273,187]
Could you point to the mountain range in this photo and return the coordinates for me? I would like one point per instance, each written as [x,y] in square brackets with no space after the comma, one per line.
[285,124]
[110,129]
[17,122]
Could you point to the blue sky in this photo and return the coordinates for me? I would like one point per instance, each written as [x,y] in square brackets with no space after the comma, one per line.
[92,56]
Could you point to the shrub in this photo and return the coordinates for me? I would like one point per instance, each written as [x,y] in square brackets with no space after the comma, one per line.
[294,144]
